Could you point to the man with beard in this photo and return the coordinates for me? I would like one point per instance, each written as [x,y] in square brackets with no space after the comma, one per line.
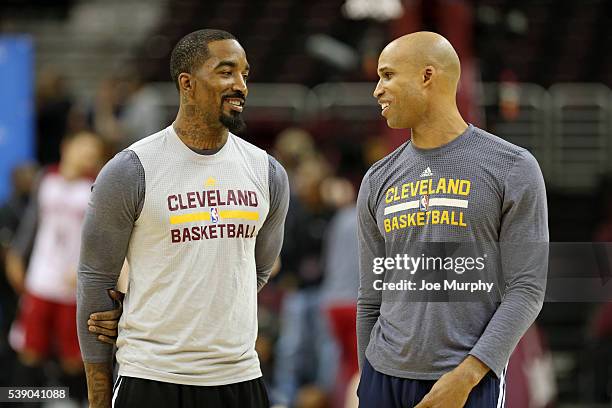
[199,213]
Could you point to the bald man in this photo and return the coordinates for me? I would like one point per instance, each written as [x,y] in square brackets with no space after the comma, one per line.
[440,334]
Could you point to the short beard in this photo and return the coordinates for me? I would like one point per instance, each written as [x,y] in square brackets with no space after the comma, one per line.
[233,122]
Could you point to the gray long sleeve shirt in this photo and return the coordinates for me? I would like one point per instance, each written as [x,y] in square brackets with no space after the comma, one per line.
[478,194]
[190,276]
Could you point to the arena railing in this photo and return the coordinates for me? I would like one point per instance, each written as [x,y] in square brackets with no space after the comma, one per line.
[567,127]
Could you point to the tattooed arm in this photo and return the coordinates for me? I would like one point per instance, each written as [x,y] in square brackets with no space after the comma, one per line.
[99,384]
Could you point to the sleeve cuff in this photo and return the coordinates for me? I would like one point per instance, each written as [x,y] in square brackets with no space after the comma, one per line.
[494,366]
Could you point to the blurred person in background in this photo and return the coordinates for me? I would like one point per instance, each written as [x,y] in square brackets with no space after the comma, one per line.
[267,332]
[103,115]
[598,353]
[11,212]
[126,109]
[303,349]
[142,112]
[292,147]
[51,230]
[531,379]
[341,283]
[55,115]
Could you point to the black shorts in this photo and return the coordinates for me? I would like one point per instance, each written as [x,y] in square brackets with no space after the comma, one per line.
[136,392]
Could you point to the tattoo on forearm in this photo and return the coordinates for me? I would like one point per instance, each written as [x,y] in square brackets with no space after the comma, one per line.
[99,384]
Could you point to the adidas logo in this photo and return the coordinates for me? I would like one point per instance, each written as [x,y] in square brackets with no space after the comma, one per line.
[427,173]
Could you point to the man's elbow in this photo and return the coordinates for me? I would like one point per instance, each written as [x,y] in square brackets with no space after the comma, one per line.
[368,309]
[262,279]
[529,295]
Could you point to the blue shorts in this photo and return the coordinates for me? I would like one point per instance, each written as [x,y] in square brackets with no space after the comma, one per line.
[384,391]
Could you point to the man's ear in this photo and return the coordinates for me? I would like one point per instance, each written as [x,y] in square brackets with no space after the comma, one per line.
[185,82]
[428,74]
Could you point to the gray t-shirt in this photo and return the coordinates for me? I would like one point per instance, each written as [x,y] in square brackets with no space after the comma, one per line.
[341,255]
[479,191]
[118,196]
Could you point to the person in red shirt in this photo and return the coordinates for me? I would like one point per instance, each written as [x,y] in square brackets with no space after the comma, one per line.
[51,229]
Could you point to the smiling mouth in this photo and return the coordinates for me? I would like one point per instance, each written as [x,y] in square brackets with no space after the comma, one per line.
[235,104]
[384,106]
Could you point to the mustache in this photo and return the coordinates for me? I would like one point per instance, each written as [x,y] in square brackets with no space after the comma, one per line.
[236,94]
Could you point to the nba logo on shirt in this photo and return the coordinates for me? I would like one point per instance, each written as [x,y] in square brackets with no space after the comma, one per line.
[424,203]
[214,215]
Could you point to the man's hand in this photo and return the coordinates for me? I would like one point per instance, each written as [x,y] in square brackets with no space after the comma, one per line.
[453,388]
[105,323]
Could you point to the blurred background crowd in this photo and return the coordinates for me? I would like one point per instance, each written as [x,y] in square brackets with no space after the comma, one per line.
[96,78]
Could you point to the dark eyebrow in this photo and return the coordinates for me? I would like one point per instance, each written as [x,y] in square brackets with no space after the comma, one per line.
[231,64]
[383,68]
[226,63]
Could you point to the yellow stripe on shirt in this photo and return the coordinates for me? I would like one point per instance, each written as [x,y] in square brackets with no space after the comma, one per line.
[205,216]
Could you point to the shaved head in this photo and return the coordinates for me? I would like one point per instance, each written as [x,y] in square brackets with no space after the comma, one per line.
[417,71]
[421,49]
